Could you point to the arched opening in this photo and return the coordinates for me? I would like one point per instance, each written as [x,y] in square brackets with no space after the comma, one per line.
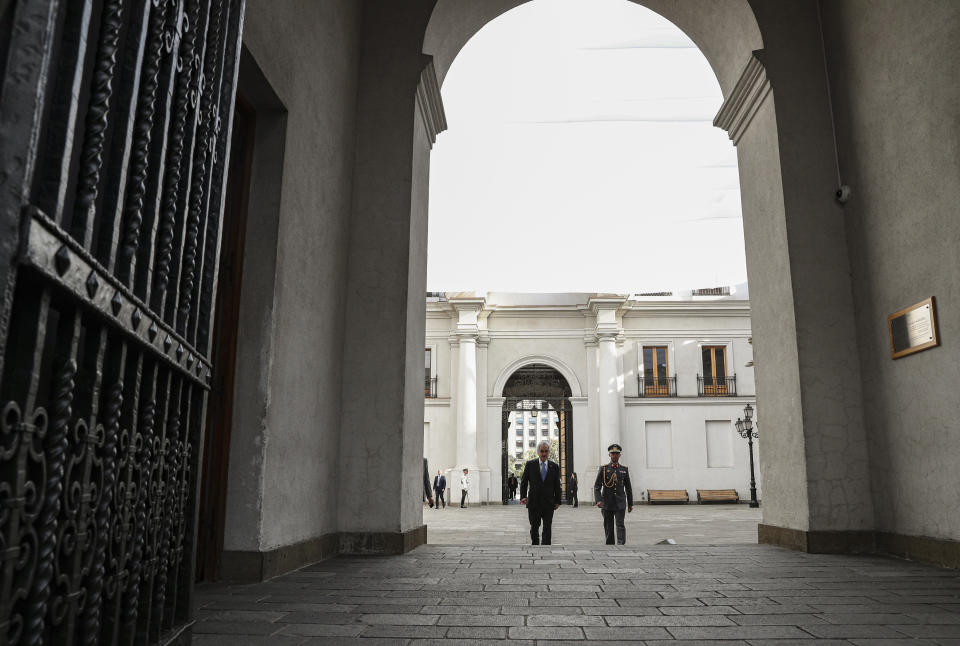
[601,124]
[629,132]
[536,407]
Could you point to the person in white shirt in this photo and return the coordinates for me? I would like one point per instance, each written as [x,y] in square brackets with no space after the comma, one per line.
[464,487]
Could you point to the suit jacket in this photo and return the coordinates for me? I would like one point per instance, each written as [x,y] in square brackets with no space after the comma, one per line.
[426,481]
[542,494]
[613,487]
[439,483]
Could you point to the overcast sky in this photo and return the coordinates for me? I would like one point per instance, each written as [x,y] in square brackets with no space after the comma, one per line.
[581,156]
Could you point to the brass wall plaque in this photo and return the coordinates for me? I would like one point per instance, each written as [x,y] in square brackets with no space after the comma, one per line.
[913,329]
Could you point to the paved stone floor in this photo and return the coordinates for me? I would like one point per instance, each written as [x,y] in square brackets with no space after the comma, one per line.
[646,525]
[659,595]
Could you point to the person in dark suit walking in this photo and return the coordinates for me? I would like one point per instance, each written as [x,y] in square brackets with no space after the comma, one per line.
[614,495]
[542,478]
[439,486]
[426,483]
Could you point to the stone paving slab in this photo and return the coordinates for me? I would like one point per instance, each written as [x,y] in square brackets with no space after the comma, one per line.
[721,595]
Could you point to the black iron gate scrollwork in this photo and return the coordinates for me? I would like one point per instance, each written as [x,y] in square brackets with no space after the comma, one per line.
[115,120]
[538,388]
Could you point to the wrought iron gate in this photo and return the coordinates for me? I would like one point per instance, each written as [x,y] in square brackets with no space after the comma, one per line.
[542,388]
[114,133]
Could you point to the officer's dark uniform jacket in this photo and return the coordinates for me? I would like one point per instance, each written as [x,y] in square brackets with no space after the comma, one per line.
[613,488]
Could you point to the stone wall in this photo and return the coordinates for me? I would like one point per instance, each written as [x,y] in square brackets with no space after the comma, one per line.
[893,70]
[285,440]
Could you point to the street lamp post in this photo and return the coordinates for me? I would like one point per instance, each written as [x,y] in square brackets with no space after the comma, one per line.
[745,428]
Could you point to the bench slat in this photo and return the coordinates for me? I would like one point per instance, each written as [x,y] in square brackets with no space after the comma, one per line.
[667,495]
[717,495]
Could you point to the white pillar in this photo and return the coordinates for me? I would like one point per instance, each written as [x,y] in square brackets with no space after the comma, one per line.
[585,455]
[468,308]
[467,405]
[495,447]
[607,308]
[609,392]
[487,489]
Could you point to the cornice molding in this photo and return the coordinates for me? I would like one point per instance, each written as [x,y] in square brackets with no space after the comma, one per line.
[738,401]
[431,103]
[749,93]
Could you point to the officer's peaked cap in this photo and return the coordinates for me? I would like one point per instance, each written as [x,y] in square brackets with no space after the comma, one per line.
[614,447]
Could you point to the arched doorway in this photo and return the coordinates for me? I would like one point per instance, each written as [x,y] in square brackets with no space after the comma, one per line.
[537,389]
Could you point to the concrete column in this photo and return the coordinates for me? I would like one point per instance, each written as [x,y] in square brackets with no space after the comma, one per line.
[593,407]
[586,459]
[487,486]
[380,449]
[609,396]
[468,308]
[606,309]
[467,405]
[495,446]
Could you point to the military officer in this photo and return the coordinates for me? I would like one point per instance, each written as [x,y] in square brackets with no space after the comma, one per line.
[614,495]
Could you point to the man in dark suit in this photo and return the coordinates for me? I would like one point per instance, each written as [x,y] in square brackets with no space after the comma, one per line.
[439,486]
[426,483]
[542,478]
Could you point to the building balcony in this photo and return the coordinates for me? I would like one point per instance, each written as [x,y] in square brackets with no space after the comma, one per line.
[708,386]
[656,386]
[430,388]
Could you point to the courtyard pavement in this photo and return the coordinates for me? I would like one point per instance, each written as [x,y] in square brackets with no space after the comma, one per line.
[646,524]
[661,595]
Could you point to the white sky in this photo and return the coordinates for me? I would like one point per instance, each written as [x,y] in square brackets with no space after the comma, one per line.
[581,157]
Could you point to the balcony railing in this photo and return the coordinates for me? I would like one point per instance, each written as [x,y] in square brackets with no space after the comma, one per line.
[430,388]
[709,386]
[656,386]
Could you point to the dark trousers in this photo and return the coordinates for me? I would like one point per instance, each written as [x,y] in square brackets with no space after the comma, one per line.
[463,497]
[573,498]
[608,518]
[438,496]
[536,516]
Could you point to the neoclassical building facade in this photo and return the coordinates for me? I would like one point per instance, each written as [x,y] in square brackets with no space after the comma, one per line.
[665,376]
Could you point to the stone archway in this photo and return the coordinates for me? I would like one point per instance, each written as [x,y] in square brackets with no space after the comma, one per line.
[770,68]
[780,247]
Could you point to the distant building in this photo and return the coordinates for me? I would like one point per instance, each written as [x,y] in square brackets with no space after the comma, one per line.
[665,375]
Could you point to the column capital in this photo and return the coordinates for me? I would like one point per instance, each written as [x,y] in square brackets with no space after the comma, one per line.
[606,308]
[483,339]
[468,308]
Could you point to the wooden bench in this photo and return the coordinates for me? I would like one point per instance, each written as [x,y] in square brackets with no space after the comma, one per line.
[667,496]
[717,495]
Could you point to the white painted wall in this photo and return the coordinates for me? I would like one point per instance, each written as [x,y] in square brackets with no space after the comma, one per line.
[560,330]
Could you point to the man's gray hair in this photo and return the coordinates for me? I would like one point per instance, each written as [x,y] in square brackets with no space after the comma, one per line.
[543,443]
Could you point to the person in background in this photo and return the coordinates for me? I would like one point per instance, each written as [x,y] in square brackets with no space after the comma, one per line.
[464,487]
[512,485]
[439,485]
[426,483]
[572,485]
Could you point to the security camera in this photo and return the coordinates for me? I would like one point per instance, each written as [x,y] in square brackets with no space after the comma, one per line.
[843,194]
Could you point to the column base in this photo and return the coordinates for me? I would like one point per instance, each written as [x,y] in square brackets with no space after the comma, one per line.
[247,567]
[937,551]
[382,542]
[817,542]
